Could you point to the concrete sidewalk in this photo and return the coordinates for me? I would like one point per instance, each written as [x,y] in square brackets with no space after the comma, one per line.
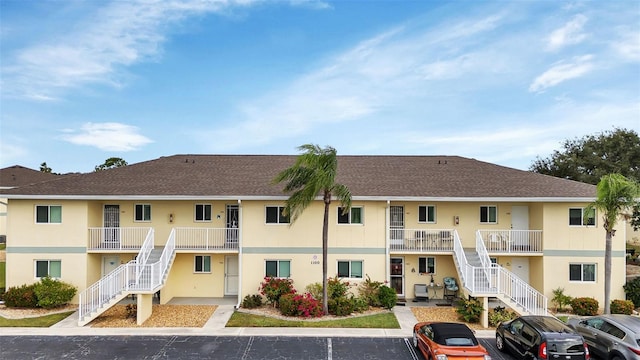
[216,327]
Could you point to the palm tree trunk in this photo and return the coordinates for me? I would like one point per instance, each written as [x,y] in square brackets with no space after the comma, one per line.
[325,246]
[607,273]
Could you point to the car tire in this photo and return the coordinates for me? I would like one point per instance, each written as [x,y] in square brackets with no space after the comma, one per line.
[415,340]
[500,343]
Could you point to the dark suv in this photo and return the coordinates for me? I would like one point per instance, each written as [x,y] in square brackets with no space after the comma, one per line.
[540,338]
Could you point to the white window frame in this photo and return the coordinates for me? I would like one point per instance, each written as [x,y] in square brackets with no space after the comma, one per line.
[204,212]
[426,264]
[591,219]
[281,218]
[48,214]
[426,214]
[135,213]
[48,261]
[278,262]
[350,262]
[349,216]
[488,214]
[582,273]
[195,264]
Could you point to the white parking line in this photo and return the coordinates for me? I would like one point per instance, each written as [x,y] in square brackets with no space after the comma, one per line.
[412,350]
[329,349]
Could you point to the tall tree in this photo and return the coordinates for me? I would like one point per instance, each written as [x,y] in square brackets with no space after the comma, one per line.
[616,198]
[110,163]
[45,169]
[593,156]
[312,175]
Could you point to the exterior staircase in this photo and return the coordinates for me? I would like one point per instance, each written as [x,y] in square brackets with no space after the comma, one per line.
[145,275]
[481,278]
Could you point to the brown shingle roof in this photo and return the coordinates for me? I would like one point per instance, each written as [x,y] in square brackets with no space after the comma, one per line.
[244,176]
[14,176]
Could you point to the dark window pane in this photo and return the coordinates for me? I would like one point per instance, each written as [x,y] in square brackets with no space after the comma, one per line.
[589,272]
[493,214]
[342,218]
[575,216]
[42,268]
[284,219]
[484,214]
[272,269]
[147,212]
[42,214]
[207,212]
[272,215]
[198,263]
[422,265]
[139,212]
[575,272]
[422,213]
[431,213]
[343,269]
[199,212]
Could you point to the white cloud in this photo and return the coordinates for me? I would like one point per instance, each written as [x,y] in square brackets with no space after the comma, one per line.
[570,34]
[628,45]
[108,136]
[561,72]
[120,34]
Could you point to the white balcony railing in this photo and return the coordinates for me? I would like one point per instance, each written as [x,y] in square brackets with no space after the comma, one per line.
[117,238]
[421,240]
[512,241]
[187,238]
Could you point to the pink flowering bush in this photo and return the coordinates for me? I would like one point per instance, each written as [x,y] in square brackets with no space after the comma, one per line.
[274,288]
[303,305]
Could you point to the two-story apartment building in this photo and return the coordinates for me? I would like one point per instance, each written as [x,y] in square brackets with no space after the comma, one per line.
[212,226]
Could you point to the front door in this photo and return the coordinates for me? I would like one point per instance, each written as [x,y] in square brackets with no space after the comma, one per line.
[231,275]
[397,225]
[520,268]
[109,263]
[111,226]
[232,225]
[520,226]
[397,275]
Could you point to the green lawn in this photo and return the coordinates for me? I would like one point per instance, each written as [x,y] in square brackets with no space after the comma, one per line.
[3,246]
[378,321]
[42,321]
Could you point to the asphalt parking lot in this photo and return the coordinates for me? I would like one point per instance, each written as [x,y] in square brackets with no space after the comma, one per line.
[212,347]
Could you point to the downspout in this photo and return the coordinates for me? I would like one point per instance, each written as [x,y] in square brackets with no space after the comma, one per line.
[387,254]
[239,254]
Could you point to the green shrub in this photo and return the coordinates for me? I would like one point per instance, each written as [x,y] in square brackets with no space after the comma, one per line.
[632,290]
[337,288]
[274,288]
[21,296]
[132,310]
[470,310]
[53,293]
[560,299]
[2,291]
[360,304]
[500,314]
[387,296]
[340,306]
[368,291]
[252,301]
[300,305]
[622,307]
[315,290]
[584,306]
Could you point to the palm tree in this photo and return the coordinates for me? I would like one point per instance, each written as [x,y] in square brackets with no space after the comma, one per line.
[616,197]
[313,175]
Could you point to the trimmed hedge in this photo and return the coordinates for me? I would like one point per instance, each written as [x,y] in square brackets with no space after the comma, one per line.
[584,306]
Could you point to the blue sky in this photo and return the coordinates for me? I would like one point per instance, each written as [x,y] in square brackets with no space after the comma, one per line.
[498,81]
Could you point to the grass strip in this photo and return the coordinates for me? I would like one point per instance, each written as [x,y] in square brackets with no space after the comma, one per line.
[377,321]
[40,321]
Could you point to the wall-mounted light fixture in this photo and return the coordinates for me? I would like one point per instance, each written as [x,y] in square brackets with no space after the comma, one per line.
[456,220]
[170,218]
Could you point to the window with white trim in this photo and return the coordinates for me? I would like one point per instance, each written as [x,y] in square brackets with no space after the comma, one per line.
[48,214]
[275,215]
[577,217]
[203,212]
[202,264]
[582,272]
[350,269]
[427,265]
[50,268]
[427,214]
[278,268]
[489,214]
[142,212]
[353,216]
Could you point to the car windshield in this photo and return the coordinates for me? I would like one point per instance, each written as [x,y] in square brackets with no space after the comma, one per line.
[457,341]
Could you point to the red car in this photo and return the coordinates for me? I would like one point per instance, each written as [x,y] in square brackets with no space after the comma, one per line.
[447,341]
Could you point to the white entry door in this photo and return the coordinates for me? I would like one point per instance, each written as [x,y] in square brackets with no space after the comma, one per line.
[231,275]
[520,267]
[520,225]
[109,263]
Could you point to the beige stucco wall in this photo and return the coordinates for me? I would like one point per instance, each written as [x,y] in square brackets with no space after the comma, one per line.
[183,281]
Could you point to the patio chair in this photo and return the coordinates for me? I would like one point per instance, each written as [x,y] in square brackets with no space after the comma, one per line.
[421,292]
[450,288]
